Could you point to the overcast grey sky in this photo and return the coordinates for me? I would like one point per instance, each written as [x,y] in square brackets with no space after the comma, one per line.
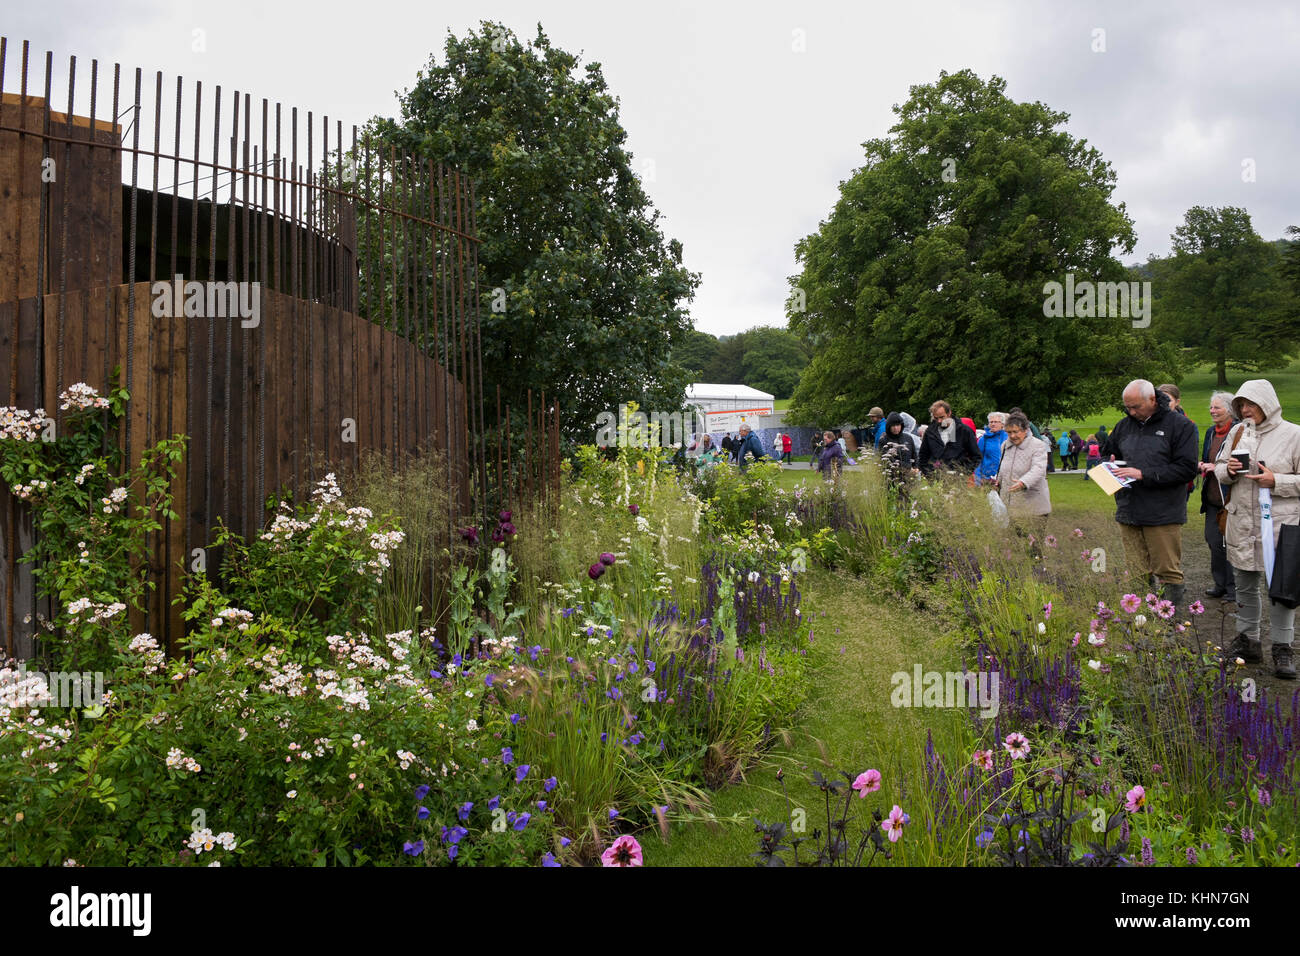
[745,117]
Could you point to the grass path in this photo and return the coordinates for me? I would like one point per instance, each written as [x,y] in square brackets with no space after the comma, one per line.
[848,717]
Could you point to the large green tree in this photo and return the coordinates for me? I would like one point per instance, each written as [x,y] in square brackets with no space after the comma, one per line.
[773,360]
[928,280]
[1224,296]
[594,297]
[696,353]
[764,357]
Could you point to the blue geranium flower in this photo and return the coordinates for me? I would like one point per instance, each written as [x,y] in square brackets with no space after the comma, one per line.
[521,821]
[549,860]
[421,791]
[413,849]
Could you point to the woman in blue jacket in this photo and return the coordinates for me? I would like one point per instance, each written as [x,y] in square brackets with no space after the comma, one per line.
[990,446]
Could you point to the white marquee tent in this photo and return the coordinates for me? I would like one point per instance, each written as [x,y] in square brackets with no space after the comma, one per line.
[725,407]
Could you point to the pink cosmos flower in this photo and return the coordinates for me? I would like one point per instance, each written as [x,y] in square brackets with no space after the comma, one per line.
[1047,611]
[1077,532]
[625,852]
[1151,600]
[1050,540]
[983,759]
[894,823]
[1165,609]
[1129,603]
[1075,641]
[1197,607]
[1017,745]
[1135,799]
[868,782]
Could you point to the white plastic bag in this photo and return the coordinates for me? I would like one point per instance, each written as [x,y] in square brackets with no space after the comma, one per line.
[999,507]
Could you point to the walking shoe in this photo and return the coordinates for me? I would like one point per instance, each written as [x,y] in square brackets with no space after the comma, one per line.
[1283,666]
[1248,650]
[1215,592]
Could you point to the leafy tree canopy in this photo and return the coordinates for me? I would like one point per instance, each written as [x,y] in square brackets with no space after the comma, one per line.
[764,357]
[928,280]
[1224,295]
[594,297]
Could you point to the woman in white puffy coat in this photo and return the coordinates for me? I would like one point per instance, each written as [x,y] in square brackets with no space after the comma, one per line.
[1274,447]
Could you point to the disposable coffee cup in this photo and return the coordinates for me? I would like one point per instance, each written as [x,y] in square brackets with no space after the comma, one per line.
[1244,458]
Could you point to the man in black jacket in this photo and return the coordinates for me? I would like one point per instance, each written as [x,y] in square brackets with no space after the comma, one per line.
[948,443]
[1157,448]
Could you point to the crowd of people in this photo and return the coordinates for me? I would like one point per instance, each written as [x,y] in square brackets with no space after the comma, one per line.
[1157,454]
[1248,464]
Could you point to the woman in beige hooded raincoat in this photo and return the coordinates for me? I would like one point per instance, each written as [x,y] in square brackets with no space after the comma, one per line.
[1274,447]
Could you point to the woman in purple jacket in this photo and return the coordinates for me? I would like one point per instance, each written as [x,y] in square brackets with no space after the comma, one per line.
[831,458]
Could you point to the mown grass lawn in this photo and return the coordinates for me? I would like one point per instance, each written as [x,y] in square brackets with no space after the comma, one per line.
[860,642]
[1196,390]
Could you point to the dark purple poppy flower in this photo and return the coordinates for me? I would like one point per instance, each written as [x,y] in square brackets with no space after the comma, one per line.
[606,558]
[470,535]
[636,510]
[504,516]
[497,535]
[595,571]
[507,527]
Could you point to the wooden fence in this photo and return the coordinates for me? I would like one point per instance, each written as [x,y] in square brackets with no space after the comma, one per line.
[336,312]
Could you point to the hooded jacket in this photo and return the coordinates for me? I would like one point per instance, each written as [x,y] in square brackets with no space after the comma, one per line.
[1277,445]
[1164,449]
[905,455]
